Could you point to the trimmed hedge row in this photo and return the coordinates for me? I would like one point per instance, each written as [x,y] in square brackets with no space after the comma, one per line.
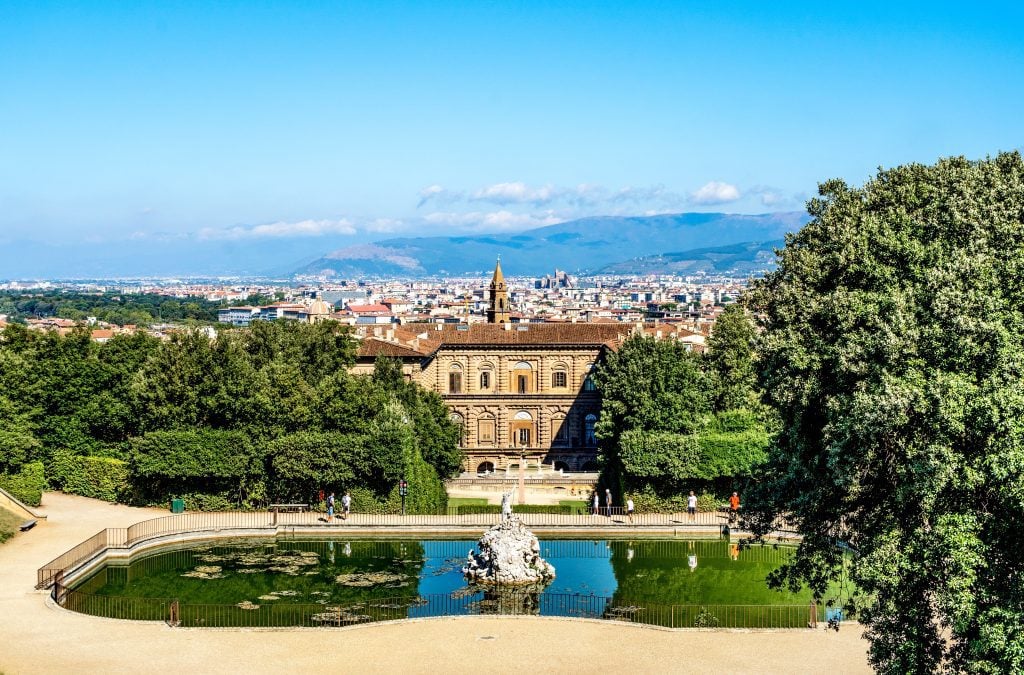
[89,476]
[474,509]
[27,485]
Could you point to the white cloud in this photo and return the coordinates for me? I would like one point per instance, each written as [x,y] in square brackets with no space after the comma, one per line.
[490,221]
[437,193]
[715,192]
[280,229]
[516,193]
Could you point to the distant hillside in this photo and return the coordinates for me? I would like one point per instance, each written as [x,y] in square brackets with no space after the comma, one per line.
[740,259]
[588,244]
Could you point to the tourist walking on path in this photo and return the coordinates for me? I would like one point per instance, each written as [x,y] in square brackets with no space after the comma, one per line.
[346,504]
[691,506]
[595,503]
[330,507]
[608,501]
[629,510]
[734,508]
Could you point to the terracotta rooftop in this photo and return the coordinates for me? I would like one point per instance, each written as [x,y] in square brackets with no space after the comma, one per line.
[367,309]
[374,347]
[532,334]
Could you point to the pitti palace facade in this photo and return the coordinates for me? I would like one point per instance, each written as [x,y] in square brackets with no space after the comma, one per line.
[517,389]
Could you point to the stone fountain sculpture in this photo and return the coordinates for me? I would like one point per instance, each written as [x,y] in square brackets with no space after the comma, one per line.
[508,555]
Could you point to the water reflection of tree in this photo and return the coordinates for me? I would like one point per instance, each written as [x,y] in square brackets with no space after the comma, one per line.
[160,575]
[659,573]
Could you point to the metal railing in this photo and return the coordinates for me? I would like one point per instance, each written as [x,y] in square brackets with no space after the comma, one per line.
[101,541]
[461,603]
[604,520]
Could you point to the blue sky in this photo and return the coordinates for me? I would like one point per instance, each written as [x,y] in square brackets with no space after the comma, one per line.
[346,121]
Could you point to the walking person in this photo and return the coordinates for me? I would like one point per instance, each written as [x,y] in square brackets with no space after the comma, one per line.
[330,507]
[734,508]
[346,505]
[596,507]
[608,501]
[691,506]
[629,509]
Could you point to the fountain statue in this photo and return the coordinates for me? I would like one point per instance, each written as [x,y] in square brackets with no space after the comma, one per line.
[508,554]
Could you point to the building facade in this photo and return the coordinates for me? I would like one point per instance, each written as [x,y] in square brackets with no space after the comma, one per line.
[522,393]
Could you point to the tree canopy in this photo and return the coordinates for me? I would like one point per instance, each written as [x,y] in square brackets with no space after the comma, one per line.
[673,420]
[269,412]
[893,352]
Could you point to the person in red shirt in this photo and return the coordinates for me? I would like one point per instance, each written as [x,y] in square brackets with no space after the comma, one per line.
[734,508]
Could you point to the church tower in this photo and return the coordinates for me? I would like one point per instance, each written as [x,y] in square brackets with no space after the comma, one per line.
[498,311]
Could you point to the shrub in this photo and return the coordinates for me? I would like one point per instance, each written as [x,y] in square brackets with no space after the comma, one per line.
[27,485]
[198,501]
[708,502]
[472,509]
[97,477]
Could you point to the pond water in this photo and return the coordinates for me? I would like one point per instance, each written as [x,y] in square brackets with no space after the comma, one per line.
[306,582]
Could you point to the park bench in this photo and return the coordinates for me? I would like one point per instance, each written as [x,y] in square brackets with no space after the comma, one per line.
[27,525]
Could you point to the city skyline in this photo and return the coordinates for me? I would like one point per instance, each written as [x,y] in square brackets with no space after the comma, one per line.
[240,124]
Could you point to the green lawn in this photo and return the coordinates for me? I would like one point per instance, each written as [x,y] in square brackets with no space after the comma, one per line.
[576,504]
[9,523]
[467,501]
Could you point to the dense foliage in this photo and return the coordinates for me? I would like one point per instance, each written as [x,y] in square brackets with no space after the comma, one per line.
[893,351]
[673,420]
[252,416]
[118,308]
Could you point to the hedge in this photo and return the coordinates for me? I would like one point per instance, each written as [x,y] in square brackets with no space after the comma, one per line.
[561,509]
[97,477]
[27,485]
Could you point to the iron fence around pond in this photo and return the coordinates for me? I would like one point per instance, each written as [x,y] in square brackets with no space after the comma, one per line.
[603,520]
[468,602]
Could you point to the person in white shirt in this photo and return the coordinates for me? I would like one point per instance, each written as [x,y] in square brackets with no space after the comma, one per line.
[629,509]
[691,505]
[346,505]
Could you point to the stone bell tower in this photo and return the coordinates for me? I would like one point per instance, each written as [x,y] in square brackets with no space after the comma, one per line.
[498,311]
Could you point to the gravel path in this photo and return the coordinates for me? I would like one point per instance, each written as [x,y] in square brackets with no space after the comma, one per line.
[36,637]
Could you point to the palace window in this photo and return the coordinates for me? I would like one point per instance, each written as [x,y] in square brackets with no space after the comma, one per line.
[485,430]
[559,379]
[589,438]
[455,379]
[485,380]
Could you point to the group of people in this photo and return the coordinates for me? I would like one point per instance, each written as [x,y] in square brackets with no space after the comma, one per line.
[346,505]
[691,506]
[596,505]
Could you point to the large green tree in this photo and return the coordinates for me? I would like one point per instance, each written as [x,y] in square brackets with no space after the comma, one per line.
[893,350]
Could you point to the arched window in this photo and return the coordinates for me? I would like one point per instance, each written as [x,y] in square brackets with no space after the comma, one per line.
[589,439]
[523,377]
[455,379]
[485,379]
[485,429]
[522,428]
[559,376]
[588,380]
[460,420]
[485,467]
[559,430]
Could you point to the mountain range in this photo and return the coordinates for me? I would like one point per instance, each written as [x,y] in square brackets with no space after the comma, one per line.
[714,242]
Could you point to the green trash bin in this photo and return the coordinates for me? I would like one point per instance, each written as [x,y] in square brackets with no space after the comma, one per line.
[177,506]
